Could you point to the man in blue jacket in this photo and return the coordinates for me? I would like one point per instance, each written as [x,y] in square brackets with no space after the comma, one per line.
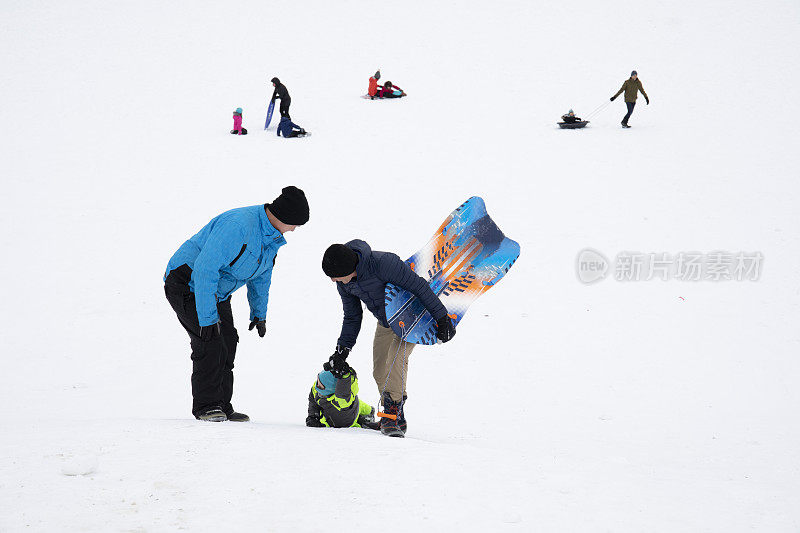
[361,275]
[236,248]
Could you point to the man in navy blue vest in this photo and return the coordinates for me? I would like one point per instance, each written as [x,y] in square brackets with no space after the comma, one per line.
[361,275]
[236,248]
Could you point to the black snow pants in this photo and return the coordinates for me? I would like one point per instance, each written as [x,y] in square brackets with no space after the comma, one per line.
[630,110]
[284,109]
[212,361]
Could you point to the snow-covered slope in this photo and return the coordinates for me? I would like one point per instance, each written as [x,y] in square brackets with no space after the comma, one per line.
[640,406]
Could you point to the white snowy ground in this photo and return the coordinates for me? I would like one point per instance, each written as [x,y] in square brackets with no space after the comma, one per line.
[641,406]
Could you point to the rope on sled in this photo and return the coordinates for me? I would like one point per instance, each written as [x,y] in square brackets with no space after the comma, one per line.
[599,109]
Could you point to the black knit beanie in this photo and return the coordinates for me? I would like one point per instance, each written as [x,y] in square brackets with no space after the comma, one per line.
[291,207]
[339,261]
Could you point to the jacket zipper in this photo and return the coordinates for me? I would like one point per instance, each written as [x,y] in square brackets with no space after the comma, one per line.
[244,247]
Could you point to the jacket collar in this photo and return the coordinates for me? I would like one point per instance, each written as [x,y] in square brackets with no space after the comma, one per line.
[363,250]
[271,235]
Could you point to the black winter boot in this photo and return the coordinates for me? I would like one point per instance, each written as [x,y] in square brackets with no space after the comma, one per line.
[401,422]
[233,416]
[368,421]
[212,414]
[391,427]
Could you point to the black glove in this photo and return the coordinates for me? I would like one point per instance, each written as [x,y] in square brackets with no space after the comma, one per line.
[445,330]
[646,99]
[337,363]
[612,98]
[209,332]
[260,325]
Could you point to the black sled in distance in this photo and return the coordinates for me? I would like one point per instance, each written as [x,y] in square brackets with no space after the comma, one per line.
[573,125]
[571,122]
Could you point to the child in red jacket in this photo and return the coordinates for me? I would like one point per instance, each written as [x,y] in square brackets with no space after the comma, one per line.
[391,91]
[373,84]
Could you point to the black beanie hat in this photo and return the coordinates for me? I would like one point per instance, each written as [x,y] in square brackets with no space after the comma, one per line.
[291,207]
[339,261]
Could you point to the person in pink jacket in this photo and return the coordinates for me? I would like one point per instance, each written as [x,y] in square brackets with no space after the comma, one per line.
[237,123]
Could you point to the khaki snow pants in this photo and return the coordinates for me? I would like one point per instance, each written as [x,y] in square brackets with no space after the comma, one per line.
[390,362]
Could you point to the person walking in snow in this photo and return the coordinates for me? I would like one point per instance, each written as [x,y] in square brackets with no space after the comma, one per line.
[235,248]
[281,94]
[237,123]
[632,86]
[361,275]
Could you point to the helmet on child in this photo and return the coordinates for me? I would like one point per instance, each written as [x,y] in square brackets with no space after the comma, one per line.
[238,111]
[387,85]
[326,383]
[570,112]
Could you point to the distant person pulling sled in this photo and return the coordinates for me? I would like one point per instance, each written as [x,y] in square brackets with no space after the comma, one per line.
[236,248]
[361,275]
[632,86]
[237,123]
[289,129]
[281,94]
[333,402]
[571,122]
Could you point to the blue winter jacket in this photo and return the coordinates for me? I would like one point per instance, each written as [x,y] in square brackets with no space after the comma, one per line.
[285,127]
[373,271]
[237,247]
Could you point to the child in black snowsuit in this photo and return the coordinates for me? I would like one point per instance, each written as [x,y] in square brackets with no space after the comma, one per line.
[280,93]
[570,117]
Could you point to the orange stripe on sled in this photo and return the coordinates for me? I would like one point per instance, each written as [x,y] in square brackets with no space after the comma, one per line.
[455,259]
[470,252]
